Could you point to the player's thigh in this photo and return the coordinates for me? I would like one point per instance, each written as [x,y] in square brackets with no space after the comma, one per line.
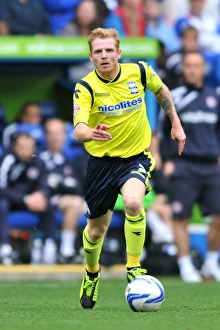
[133,188]
[134,176]
[211,195]
[101,192]
[183,193]
[100,224]
[69,201]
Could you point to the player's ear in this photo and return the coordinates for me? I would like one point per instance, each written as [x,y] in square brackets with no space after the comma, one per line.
[90,57]
[119,53]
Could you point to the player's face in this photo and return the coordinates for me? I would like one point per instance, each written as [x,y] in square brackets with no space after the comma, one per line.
[24,148]
[105,56]
[55,132]
[190,42]
[194,69]
[32,115]
[197,6]
[86,13]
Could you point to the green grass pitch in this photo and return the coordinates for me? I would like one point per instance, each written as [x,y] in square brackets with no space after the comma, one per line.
[55,305]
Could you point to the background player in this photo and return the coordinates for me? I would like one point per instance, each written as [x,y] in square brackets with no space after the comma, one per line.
[65,186]
[110,118]
[196,176]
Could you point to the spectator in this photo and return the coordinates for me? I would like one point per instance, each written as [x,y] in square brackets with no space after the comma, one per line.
[86,19]
[207,25]
[65,186]
[131,15]
[194,178]
[159,28]
[173,8]
[90,14]
[23,187]
[60,13]
[29,114]
[159,220]
[161,63]
[112,4]
[4,28]
[190,43]
[25,17]
[159,214]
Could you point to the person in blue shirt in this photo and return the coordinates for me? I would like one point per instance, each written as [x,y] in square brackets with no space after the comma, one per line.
[59,13]
[159,28]
[207,25]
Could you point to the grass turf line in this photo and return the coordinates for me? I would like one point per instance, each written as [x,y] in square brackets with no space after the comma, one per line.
[55,305]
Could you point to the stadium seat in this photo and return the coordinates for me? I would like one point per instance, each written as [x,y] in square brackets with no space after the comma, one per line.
[23,219]
[116,222]
[217,70]
[212,75]
[71,148]
[48,109]
[27,219]
[198,238]
[59,218]
[59,13]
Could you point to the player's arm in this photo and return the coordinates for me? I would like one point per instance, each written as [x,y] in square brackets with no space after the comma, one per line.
[164,97]
[82,110]
[83,133]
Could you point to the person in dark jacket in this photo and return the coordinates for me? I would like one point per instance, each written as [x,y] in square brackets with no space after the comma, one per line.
[30,114]
[65,181]
[173,66]
[195,177]
[25,17]
[23,187]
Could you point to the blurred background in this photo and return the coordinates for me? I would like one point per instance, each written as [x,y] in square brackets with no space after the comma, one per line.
[43,53]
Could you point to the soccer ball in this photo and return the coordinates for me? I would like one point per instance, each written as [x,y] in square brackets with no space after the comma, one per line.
[145,294]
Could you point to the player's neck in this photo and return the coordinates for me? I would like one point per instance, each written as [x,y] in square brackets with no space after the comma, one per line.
[111,75]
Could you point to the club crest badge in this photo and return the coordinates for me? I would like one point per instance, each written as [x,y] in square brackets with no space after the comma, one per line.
[132,87]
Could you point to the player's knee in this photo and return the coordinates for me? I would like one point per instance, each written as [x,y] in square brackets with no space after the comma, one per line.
[133,206]
[180,223]
[216,222]
[71,203]
[95,233]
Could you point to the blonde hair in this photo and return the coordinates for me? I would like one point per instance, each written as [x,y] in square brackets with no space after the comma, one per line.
[103,34]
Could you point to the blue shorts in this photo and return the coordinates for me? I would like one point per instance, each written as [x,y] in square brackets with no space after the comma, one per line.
[106,175]
[194,182]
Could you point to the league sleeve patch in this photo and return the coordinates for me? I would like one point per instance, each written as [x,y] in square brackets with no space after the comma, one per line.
[76,108]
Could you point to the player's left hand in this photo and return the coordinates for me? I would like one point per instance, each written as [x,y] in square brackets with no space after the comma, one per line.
[178,135]
[99,133]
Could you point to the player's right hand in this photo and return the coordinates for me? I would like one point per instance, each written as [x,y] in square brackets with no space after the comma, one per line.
[168,168]
[99,133]
[37,202]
